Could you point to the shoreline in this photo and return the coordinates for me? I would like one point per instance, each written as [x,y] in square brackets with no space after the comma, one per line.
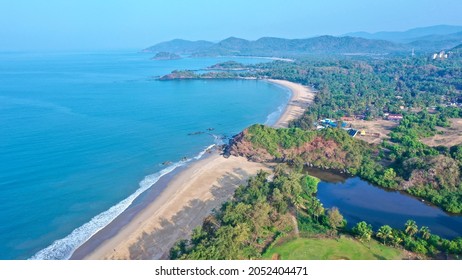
[180,201]
[301,97]
[275,58]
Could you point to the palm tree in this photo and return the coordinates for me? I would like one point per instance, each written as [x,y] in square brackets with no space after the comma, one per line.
[317,209]
[300,202]
[425,232]
[384,233]
[363,231]
[396,241]
[411,227]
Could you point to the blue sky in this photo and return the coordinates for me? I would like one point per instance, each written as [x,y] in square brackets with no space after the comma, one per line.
[135,24]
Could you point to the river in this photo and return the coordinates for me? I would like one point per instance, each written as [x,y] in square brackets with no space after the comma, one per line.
[359,200]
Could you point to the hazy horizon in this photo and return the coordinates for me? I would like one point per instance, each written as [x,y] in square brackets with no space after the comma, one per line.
[87,25]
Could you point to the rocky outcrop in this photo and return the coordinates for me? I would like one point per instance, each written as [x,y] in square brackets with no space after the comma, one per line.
[319,152]
[239,146]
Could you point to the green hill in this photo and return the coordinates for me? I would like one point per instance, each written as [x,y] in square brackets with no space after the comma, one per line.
[269,46]
[424,40]
[179,46]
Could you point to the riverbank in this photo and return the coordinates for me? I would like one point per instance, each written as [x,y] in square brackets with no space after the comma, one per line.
[189,197]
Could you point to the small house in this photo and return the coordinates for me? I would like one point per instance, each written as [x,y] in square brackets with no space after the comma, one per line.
[395,117]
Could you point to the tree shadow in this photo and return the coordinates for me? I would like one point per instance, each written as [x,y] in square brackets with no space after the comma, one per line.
[157,244]
[379,257]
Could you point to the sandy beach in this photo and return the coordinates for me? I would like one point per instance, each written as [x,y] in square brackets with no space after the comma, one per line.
[301,97]
[190,196]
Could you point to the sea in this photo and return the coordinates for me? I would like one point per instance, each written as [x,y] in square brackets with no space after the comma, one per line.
[83,134]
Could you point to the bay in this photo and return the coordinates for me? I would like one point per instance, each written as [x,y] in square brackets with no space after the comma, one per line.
[81,132]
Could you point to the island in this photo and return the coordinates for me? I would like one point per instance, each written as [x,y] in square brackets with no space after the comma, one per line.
[166,56]
[188,74]
[228,66]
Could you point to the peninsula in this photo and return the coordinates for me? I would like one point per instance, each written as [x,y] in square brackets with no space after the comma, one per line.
[166,56]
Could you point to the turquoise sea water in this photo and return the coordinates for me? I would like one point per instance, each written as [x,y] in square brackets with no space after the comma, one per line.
[84,133]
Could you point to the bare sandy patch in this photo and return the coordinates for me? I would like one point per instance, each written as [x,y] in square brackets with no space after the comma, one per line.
[450,136]
[376,131]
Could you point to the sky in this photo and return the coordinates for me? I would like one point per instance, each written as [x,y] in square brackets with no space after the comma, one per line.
[136,24]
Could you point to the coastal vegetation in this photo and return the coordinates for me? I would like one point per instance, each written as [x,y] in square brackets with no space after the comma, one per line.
[327,149]
[258,215]
[280,217]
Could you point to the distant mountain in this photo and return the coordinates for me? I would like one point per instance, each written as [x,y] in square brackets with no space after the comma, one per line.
[423,39]
[179,46]
[437,42]
[457,48]
[456,52]
[269,46]
[411,35]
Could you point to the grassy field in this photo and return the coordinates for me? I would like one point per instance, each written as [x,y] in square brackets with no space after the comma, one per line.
[344,248]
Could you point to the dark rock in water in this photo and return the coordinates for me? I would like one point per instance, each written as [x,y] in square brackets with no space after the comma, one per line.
[184,159]
[196,133]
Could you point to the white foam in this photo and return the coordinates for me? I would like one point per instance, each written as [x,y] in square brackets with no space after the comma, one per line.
[65,247]
[272,118]
[204,151]
[219,140]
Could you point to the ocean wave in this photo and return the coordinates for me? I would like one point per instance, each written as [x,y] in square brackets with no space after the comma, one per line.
[201,154]
[219,139]
[274,116]
[64,248]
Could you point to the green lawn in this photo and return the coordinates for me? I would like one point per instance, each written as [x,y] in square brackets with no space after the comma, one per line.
[332,249]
